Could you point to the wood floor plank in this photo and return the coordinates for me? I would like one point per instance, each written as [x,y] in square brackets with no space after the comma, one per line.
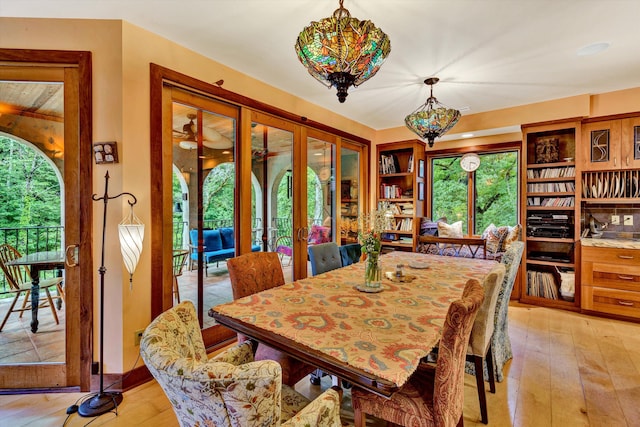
[600,395]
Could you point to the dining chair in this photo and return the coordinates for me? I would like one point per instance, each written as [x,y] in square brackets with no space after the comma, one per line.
[501,344]
[19,281]
[501,351]
[254,272]
[324,257]
[229,389]
[350,253]
[179,261]
[479,347]
[430,397]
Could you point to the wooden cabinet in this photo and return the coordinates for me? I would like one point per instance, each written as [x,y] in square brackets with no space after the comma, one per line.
[611,281]
[551,200]
[401,188]
[611,144]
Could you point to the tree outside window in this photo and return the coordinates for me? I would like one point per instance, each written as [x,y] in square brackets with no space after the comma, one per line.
[494,186]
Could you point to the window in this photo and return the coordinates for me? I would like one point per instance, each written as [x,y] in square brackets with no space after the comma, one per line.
[488,195]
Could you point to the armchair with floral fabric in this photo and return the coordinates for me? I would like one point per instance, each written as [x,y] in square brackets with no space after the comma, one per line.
[229,389]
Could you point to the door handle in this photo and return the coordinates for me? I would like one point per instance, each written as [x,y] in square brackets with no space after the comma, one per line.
[302,234]
[625,256]
[71,256]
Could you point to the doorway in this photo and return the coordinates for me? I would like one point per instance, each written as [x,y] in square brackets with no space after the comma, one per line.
[46,100]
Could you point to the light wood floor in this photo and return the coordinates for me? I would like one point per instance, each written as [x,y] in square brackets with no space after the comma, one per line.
[568,370]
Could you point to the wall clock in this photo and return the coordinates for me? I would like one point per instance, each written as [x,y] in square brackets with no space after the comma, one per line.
[470,162]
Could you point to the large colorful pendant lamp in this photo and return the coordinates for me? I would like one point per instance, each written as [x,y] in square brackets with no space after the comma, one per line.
[342,51]
[432,119]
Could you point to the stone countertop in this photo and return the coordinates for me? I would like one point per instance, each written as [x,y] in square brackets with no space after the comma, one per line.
[611,243]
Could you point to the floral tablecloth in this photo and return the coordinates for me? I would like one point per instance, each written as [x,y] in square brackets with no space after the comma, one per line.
[386,333]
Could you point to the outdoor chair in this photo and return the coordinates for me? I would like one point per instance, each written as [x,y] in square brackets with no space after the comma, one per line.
[19,281]
[179,261]
[284,248]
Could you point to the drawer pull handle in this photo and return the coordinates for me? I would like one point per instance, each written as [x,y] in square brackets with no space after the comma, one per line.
[626,303]
[625,256]
[625,277]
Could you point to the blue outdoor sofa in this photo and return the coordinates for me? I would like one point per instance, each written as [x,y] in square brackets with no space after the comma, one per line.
[219,245]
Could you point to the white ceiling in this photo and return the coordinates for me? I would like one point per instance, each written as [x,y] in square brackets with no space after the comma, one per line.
[488,54]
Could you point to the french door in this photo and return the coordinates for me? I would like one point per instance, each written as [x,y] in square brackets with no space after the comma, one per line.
[226,165]
[49,136]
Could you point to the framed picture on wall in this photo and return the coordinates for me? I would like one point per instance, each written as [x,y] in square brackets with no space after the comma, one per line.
[105,152]
[420,168]
[421,191]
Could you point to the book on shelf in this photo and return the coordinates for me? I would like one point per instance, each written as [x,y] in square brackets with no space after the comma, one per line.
[560,172]
[405,224]
[541,284]
[389,164]
[551,201]
[390,191]
[389,237]
[410,164]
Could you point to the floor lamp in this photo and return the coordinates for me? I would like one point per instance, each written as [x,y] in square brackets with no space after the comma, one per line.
[131,232]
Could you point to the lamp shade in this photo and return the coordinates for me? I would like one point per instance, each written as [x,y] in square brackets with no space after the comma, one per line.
[342,51]
[131,233]
[432,119]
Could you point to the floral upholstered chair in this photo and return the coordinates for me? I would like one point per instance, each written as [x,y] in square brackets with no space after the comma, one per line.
[231,389]
[431,398]
[254,272]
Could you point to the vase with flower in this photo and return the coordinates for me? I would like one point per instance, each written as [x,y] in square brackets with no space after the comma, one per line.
[371,227]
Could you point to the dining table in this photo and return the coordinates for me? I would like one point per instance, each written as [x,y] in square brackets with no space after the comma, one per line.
[372,338]
[37,262]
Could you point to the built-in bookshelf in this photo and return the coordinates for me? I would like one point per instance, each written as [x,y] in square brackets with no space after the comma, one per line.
[401,191]
[551,203]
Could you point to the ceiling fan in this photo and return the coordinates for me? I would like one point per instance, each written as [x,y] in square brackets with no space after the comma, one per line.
[211,138]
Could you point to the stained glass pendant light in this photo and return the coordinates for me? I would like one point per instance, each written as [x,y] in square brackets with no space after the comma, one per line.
[342,51]
[432,119]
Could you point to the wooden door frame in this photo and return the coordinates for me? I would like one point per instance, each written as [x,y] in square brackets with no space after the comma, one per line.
[78,140]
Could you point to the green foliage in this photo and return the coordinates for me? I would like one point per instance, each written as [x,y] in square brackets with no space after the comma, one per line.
[218,191]
[30,193]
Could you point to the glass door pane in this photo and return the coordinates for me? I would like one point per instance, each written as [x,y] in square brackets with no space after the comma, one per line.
[349,194]
[272,192]
[204,180]
[321,191]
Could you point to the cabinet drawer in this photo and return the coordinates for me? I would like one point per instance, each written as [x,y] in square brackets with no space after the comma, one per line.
[613,301]
[611,255]
[616,276]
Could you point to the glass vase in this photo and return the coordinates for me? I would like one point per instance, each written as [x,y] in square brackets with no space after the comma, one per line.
[372,271]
